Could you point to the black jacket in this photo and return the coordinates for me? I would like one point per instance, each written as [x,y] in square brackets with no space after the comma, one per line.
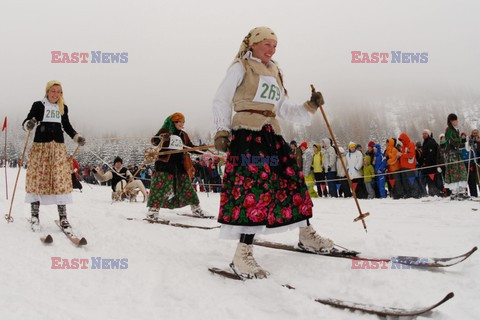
[49,131]
[430,154]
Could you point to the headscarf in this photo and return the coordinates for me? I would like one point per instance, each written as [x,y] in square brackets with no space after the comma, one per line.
[60,102]
[254,36]
[169,122]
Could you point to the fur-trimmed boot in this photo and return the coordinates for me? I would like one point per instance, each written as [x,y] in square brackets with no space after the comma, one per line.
[35,220]
[244,264]
[62,213]
[197,210]
[310,240]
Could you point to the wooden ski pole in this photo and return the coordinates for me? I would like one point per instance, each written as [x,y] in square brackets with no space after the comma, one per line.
[361,216]
[6,179]
[8,216]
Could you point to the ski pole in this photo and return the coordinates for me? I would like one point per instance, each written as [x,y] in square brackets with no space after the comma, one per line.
[361,216]
[8,216]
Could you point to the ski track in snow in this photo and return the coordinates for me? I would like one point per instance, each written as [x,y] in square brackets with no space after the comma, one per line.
[167,274]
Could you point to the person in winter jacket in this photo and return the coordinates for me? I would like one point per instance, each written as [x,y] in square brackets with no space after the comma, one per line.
[456,173]
[49,179]
[393,167]
[75,177]
[307,160]
[318,170]
[407,163]
[330,166]
[473,171]
[380,166]
[258,199]
[368,176]
[432,174]
[354,166]
[344,189]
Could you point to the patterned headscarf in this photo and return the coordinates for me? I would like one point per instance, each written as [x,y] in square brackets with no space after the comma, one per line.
[169,122]
[254,36]
[50,84]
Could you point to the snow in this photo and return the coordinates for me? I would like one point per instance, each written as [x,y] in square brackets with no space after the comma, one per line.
[167,274]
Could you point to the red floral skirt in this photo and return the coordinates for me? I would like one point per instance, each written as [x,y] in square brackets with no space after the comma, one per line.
[262,184]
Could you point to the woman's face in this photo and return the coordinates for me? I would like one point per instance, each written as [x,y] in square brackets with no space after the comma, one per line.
[455,123]
[179,125]
[264,50]
[54,93]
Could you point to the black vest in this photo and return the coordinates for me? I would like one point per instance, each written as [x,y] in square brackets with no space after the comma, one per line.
[118,176]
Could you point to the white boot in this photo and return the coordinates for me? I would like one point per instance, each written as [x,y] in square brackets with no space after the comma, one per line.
[196,210]
[152,213]
[244,263]
[309,240]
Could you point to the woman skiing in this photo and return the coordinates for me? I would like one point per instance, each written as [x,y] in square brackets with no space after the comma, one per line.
[49,178]
[171,186]
[263,188]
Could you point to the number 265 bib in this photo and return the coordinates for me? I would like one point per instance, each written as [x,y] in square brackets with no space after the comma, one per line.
[268,90]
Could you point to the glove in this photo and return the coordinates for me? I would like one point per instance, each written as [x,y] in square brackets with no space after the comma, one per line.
[317,99]
[329,169]
[79,139]
[30,124]
[439,170]
[221,141]
[165,136]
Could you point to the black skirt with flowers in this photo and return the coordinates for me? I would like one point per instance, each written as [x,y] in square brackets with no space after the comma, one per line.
[262,184]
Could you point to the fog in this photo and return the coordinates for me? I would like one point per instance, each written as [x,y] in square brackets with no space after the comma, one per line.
[178,53]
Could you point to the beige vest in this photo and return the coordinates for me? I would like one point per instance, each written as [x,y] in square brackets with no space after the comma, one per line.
[246,92]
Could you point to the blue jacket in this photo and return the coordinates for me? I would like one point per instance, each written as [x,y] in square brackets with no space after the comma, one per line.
[380,160]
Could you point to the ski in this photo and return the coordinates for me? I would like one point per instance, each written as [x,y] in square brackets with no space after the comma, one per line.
[77,241]
[411,261]
[174,224]
[36,228]
[352,306]
[195,216]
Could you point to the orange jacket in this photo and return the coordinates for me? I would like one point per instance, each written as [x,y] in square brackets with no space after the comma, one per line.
[393,164]
[407,160]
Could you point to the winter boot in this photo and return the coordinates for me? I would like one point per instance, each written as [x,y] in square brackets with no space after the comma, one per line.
[35,220]
[62,213]
[196,210]
[310,240]
[153,213]
[244,264]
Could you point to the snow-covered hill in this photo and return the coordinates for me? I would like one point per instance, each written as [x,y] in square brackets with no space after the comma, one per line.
[167,275]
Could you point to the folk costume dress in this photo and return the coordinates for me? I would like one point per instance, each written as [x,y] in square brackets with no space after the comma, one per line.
[171,186]
[456,173]
[49,179]
[263,188]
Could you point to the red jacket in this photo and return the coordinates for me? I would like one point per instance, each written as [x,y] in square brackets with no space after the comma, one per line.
[407,160]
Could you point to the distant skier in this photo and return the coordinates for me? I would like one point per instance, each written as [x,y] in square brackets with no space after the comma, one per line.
[48,178]
[123,182]
[171,185]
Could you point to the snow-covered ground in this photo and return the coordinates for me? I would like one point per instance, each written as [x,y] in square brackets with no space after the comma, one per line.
[167,276]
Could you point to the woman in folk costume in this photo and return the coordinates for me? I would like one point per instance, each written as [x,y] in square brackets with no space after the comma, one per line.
[263,188]
[171,186]
[456,173]
[49,178]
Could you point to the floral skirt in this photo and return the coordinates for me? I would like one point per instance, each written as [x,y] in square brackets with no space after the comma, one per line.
[262,184]
[49,177]
[455,172]
[163,183]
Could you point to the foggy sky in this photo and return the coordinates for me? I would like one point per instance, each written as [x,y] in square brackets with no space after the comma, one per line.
[179,51]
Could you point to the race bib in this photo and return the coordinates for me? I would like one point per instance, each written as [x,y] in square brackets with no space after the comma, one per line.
[52,114]
[268,90]
[176,143]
